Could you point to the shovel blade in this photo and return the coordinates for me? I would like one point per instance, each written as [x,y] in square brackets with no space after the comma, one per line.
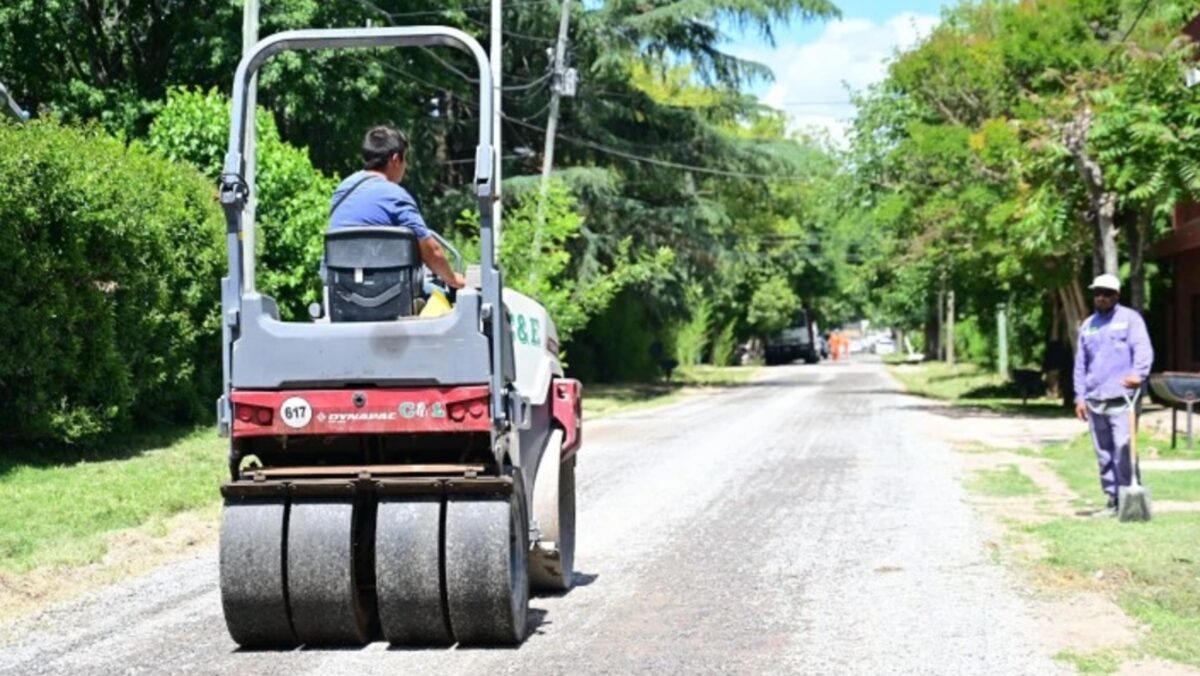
[1133,503]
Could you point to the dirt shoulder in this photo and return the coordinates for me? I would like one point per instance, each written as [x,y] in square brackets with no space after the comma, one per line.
[1109,597]
[128,553]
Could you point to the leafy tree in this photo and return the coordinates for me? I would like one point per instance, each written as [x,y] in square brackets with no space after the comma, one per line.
[773,306]
[293,196]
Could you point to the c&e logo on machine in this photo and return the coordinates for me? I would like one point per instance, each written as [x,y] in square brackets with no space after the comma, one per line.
[419,409]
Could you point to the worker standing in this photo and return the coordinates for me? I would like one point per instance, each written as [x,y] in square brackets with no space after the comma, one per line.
[1113,357]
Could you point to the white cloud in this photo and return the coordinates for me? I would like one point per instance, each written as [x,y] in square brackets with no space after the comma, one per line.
[811,79]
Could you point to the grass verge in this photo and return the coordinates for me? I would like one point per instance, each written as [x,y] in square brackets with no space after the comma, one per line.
[1152,570]
[1005,482]
[972,385]
[1103,662]
[56,510]
[604,399]
[1075,462]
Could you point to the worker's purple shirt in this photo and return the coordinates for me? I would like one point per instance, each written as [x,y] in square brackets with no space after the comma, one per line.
[1112,345]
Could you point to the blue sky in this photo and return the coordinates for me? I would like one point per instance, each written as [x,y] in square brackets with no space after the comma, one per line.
[815,62]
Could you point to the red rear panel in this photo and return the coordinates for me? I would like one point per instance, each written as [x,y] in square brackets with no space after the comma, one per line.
[391,411]
[568,411]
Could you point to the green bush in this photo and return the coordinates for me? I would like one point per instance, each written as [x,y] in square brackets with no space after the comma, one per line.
[111,261]
[725,345]
[691,338]
[972,343]
[293,196]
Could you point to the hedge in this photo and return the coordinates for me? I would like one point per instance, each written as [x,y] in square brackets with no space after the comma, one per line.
[110,258]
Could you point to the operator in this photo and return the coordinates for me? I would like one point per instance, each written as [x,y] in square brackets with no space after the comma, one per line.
[1114,356]
[374,196]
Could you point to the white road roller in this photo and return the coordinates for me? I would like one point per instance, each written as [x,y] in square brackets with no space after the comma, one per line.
[391,475]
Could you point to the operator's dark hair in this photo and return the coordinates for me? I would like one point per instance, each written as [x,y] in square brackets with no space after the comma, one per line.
[380,144]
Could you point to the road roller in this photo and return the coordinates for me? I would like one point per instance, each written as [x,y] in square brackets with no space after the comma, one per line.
[394,474]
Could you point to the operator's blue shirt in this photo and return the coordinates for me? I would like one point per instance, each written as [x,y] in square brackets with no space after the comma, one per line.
[377,201]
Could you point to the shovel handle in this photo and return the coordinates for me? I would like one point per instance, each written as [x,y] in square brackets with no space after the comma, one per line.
[1131,401]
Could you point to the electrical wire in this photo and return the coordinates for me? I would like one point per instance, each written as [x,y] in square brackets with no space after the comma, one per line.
[1137,18]
[654,161]
[442,12]
[512,34]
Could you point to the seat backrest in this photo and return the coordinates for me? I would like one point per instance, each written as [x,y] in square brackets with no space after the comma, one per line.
[372,273]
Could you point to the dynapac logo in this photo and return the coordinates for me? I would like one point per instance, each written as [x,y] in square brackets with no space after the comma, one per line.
[358,416]
[407,410]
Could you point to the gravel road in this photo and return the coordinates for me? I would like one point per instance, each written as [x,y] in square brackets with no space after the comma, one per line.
[796,524]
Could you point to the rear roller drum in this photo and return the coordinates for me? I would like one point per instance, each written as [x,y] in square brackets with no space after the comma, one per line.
[253,592]
[408,578]
[487,574]
[552,559]
[322,581]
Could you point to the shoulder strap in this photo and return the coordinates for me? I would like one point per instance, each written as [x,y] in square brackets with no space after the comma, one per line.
[346,194]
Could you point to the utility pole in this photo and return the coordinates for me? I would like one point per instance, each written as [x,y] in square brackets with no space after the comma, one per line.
[940,334]
[1002,338]
[249,38]
[950,327]
[496,54]
[560,83]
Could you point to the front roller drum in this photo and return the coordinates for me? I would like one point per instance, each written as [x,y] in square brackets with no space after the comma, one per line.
[487,559]
[253,590]
[408,577]
[322,575]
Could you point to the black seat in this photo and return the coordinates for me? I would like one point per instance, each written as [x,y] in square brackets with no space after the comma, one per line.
[373,273]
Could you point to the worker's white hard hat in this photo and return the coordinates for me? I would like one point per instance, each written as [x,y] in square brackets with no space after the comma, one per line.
[1106,282]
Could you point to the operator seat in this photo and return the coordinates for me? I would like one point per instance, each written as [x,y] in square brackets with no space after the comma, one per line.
[373,273]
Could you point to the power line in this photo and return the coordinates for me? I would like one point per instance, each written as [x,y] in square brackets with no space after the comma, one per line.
[512,34]
[1128,31]
[1136,20]
[442,12]
[651,160]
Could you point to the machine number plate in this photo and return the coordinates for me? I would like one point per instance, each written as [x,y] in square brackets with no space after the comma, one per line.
[296,412]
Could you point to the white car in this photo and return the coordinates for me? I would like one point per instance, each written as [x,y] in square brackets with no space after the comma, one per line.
[885,346]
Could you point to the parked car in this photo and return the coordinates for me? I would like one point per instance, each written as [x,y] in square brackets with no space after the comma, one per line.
[885,346]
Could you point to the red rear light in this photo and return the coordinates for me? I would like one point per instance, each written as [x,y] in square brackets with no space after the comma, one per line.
[476,409]
[458,412]
[249,413]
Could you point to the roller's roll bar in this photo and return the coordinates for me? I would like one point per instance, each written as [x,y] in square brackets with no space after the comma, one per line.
[234,191]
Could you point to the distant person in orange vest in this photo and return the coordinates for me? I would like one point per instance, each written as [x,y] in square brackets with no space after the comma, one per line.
[837,345]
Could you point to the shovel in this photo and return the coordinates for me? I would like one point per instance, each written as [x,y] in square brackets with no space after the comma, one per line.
[1133,501]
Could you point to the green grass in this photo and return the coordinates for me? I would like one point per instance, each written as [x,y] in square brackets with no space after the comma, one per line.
[972,385]
[1004,482]
[604,399]
[1102,662]
[56,509]
[1154,567]
[1075,462]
